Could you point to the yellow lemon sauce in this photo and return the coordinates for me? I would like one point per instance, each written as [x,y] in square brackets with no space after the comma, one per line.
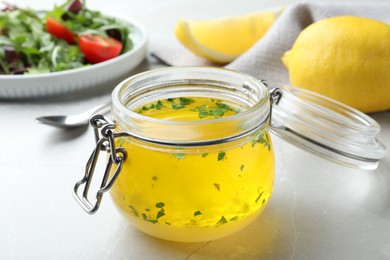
[192,194]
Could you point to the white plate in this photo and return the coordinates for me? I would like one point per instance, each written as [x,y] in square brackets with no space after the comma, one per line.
[55,83]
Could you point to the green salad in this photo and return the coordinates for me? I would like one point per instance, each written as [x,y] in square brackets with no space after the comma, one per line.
[68,37]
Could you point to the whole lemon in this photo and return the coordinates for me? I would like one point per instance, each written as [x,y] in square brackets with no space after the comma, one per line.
[346,58]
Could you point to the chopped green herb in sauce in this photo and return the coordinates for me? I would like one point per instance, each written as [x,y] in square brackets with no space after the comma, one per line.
[182,102]
[258,197]
[133,210]
[221,155]
[180,156]
[221,221]
[204,107]
[197,213]
[157,105]
[262,139]
[161,213]
[233,218]
[217,111]
[160,204]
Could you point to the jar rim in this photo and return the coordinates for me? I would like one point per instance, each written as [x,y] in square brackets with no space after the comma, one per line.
[117,102]
[258,111]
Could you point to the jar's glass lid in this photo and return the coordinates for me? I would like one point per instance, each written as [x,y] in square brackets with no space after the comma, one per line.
[327,128]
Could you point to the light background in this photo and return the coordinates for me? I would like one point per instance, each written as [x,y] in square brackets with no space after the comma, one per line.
[318,210]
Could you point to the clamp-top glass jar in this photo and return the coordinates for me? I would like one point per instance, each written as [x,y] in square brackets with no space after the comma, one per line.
[191,158]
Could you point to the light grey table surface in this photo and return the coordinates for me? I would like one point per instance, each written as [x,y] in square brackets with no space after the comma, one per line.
[318,210]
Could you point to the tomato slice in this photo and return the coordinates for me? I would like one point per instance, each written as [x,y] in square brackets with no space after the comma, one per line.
[59,30]
[97,48]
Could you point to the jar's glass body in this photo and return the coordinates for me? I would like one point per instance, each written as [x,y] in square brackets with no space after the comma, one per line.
[193,180]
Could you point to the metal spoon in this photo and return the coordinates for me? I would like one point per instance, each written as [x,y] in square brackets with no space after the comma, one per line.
[73,121]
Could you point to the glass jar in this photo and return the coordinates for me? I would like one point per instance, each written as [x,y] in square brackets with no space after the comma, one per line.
[190,155]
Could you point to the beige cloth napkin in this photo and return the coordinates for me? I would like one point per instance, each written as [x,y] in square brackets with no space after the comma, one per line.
[263,60]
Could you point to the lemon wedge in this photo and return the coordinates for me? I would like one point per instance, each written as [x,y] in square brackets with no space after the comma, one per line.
[224,39]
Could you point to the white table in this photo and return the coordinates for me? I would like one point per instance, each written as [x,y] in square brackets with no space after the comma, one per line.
[319,210]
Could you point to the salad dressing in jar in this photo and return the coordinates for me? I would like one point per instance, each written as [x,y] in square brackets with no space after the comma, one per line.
[191,193]
[190,155]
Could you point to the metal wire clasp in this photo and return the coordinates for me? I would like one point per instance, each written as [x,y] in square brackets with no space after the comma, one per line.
[275,97]
[105,141]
